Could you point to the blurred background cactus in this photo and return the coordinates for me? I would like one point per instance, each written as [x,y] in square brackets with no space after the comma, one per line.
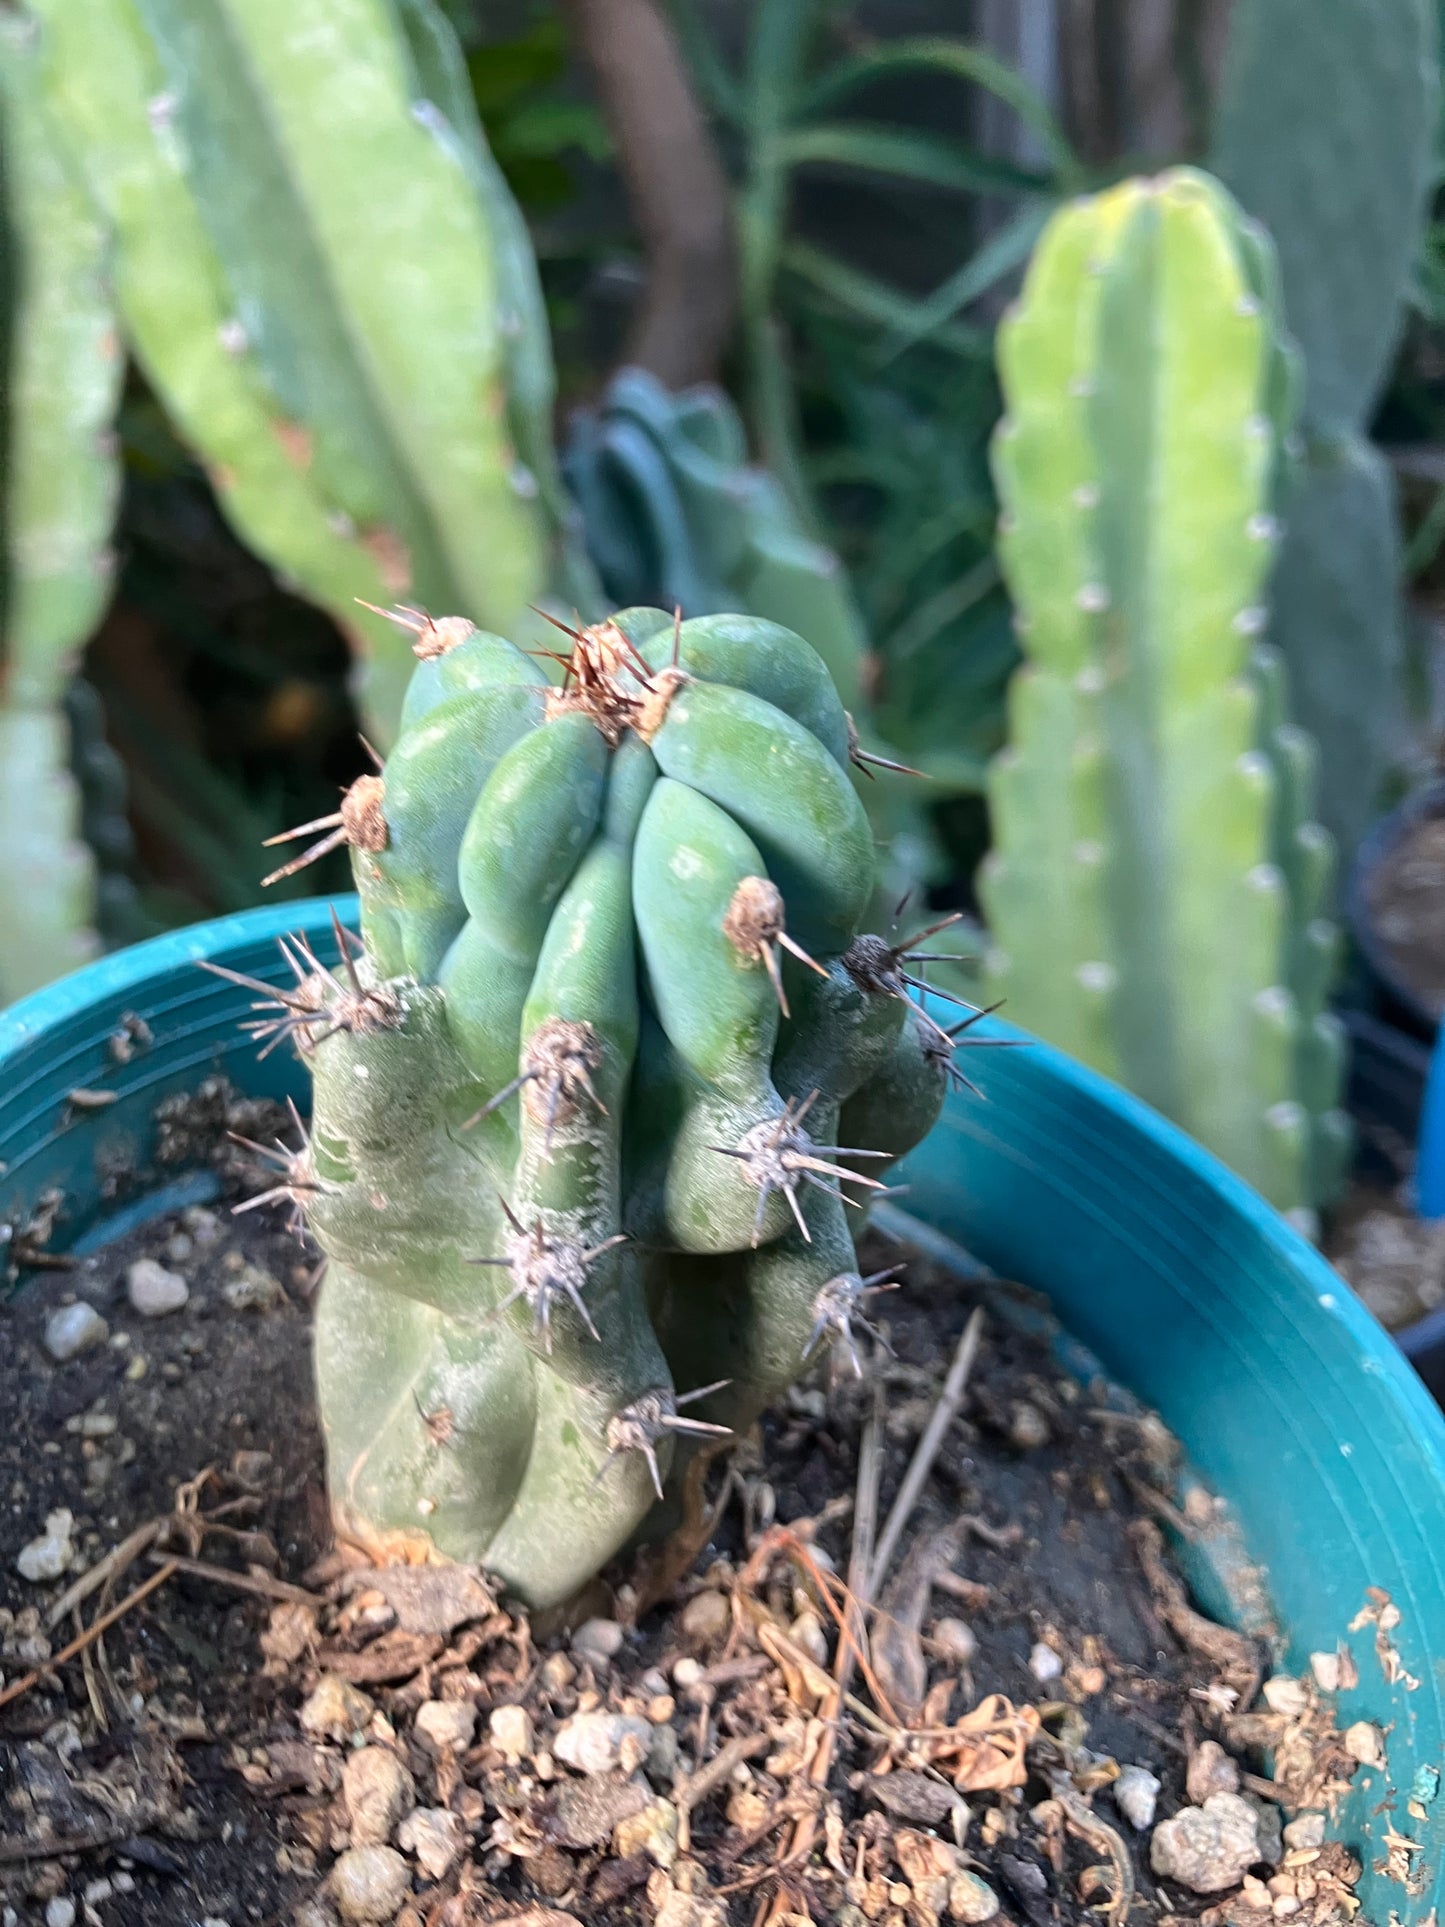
[1157,888]
[1344,192]
[321,276]
[57,499]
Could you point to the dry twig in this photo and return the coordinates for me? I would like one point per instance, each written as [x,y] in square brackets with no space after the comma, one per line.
[950,1398]
[92,1632]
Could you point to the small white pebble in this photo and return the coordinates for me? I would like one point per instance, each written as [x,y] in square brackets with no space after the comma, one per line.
[597,1640]
[1044,1662]
[511,1731]
[445,1726]
[686,1672]
[1286,1695]
[1326,1669]
[74,1329]
[1136,1795]
[60,1912]
[47,1556]
[369,1883]
[971,1899]
[1363,1742]
[956,1639]
[1304,1832]
[153,1291]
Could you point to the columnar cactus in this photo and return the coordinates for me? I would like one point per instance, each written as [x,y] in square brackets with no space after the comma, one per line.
[61,475]
[1345,195]
[1157,893]
[326,283]
[600,1085]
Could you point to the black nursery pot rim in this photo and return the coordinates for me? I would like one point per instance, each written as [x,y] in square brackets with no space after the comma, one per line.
[1286,1396]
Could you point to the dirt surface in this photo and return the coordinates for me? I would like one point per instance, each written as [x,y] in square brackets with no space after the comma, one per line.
[1407,904]
[1394,1260]
[720,1757]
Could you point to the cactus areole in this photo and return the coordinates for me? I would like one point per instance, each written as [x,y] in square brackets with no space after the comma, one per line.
[599,1090]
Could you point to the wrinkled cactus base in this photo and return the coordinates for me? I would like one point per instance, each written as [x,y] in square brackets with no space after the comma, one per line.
[599,1093]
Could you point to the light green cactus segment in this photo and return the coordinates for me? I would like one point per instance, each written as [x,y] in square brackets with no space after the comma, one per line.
[61,469]
[441,83]
[609,1126]
[716,1005]
[886,1111]
[585,973]
[400,1221]
[47,874]
[578,1503]
[482,661]
[1342,193]
[433,778]
[529,825]
[385,1464]
[1051,846]
[59,477]
[1156,886]
[362,270]
[103,82]
[749,652]
[787,792]
[749,1319]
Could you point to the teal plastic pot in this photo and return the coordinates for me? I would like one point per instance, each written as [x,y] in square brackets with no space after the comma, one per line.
[1290,1401]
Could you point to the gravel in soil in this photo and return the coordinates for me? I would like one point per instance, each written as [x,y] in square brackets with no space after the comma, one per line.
[1392,1259]
[1407,906]
[1032,1724]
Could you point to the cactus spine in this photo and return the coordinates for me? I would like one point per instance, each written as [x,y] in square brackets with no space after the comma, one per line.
[594,1098]
[59,489]
[1343,193]
[1156,891]
[316,287]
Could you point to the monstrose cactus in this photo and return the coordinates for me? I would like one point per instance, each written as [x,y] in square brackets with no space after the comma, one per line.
[596,1089]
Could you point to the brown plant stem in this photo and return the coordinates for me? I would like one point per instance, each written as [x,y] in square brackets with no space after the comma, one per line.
[675,183]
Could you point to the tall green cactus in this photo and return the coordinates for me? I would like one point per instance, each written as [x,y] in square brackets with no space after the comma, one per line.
[590,1104]
[57,498]
[1324,131]
[321,287]
[1156,891]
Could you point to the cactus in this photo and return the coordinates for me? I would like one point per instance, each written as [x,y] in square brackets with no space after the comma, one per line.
[60,480]
[320,293]
[595,1094]
[1156,891]
[676,514]
[1344,193]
